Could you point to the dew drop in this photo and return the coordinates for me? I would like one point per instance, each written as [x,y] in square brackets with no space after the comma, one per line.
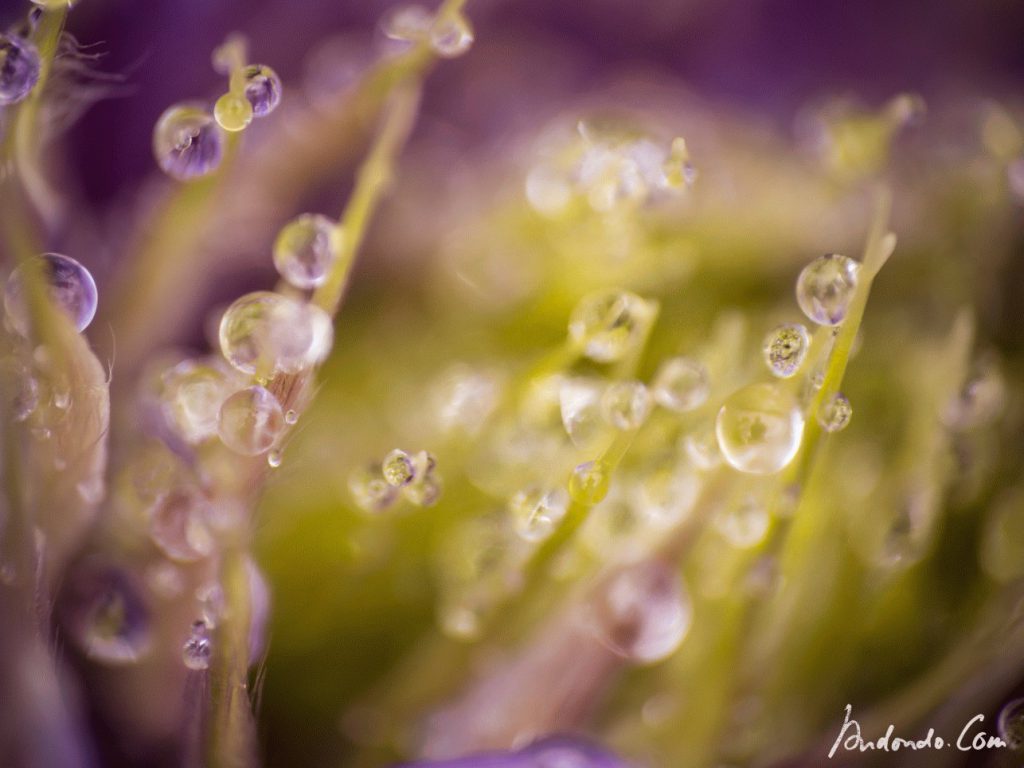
[193,392]
[210,597]
[233,112]
[644,612]
[785,348]
[825,288]
[274,458]
[580,405]
[250,421]
[407,23]
[681,384]
[424,492]
[262,89]
[834,414]
[178,525]
[744,525]
[665,498]
[106,616]
[397,468]
[589,482]
[464,398]
[165,580]
[701,448]
[291,417]
[188,142]
[69,286]
[263,333]
[607,326]
[198,649]
[306,249]
[537,511]
[451,36]
[626,405]
[19,68]
[1011,724]
[370,490]
[759,429]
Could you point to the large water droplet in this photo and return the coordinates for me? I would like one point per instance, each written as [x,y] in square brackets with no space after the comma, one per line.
[643,613]
[785,348]
[626,405]
[835,413]
[251,421]
[536,511]
[188,142]
[580,405]
[19,68]
[759,429]
[589,482]
[69,286]
[825,288]
[681,384]
[264,333]
[198,649]
[178,525]
[451,35]
[262,89]
[607,326]
[306,249]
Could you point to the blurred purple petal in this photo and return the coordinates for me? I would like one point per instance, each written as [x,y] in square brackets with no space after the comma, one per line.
[553,752]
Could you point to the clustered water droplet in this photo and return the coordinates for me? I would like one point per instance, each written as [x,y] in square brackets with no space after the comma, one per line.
[233,112]
[193,392]
[626,405]
[825,288]
[607,326]
[19,68]
[785,349]
[377,487]
[681,384]
[178,524]
[398,469]
[68,284]
[536,511]
[759,428]
[188,142]
[198,649]
[251,421]
[306,249]
[835,412]
[262,89]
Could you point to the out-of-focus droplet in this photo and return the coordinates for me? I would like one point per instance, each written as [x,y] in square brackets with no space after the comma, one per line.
[643,613]
[834,413]
[193,392]
[423,492]
[19,387]
[165,580]
[188,142]
[105,614]
[306,249]
[397,468]
[210,597]
[580,405]
[68,284]
[745,524]
[459,621]
[1002,543]
[979,402]
[701,448]
[759,429]
[178,524]
[408,23]
[263,333]
[589,482]
[785,349]
[681,384]
[610,325]
[537,511]
[250,421]
[825,288]
[665,498]
[370,490]
[233,112]
[626,404]
[198,649]
[19,68]
[274,458]
[262,89]
[1011,724]
[548,190]
[451,35]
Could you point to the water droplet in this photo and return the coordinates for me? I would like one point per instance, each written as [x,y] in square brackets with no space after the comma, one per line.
[291,417]
[397,468]
[548,190]
[233,112]
[61,399]
[643,613]
[306,249]
[212,607]
[537,511]
[785,348]
[165,580]
[681,384]
[451,35]
[759,429]
[825,288]
[407,23]
[370,490]
[178,525]
[274,458]
[701,448]
[980,400]
[198,649]
[459,621]
[626,405]
[193,392]
[464,398]
[665,498]
[262,88]
[580,403]
[105,614]
[608,326]
[744,525]
[69,286]
[835,412]
[188,142]
[1011,724]
[263,333]
[589,482]
[250,421]
[424,492]
[19,68]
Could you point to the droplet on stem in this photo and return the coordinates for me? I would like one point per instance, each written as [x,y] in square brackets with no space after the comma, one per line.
[19,68]
[262,89]
[785,348]
[69,286]
[451,35]
[537,511]
[835,412]
[198,649]
[188,142]
[759,429]
[681,384]
[608,326]
[233,112]
[825,288]
[251,421]
[306,249]
[589,482]
[626,405]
